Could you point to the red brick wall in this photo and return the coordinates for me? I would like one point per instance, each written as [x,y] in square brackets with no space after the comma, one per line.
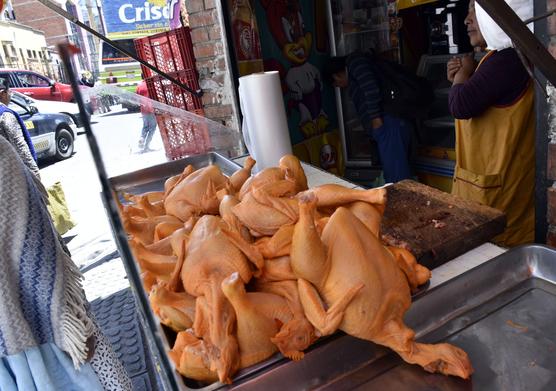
[34,14]
[214,74]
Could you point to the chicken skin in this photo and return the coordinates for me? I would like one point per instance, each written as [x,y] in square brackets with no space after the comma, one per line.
[211,257]
[365,297]
[196,194]
[254,329]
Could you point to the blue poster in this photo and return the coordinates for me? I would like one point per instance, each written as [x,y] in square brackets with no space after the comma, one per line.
[136,18]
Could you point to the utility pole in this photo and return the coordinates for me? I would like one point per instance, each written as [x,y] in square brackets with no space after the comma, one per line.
[96,42]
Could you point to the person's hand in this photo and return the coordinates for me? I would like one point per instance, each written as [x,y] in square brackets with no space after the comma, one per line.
[377,123]
[468,66]
[453,66]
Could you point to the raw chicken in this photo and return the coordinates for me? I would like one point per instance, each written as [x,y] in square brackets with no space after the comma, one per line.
[264,210]
[278,245]
[416,274]
[211,257]
[268,175]
[254,328]
[297,333]
[174,309]
[365,292]
[190,354]
[239,177]
[158,264]
[291,166]
[337,195]
[257,313]
[317,265]
[171,182]
[196,194]
[143,228]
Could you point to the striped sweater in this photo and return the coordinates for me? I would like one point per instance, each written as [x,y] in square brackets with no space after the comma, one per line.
[364,88]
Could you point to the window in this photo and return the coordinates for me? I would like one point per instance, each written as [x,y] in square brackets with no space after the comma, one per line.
[32,80]
[7,77]
[17,106]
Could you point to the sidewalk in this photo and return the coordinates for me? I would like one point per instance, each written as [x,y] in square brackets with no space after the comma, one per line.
[90,242]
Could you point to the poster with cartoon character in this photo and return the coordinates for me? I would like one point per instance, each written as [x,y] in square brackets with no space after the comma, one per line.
[294,42]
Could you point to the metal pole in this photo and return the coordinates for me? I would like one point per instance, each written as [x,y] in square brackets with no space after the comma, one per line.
[60,11]
[523,38]
[118,230]
[539,17]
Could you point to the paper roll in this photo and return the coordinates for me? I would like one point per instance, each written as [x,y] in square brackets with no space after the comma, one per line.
[265,127]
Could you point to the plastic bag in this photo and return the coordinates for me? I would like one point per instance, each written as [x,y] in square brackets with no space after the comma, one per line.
[58,209]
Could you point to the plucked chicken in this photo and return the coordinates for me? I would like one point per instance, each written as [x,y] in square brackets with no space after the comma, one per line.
[366,296]
[251,265]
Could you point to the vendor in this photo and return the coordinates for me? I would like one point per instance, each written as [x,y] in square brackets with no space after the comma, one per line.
[492,102]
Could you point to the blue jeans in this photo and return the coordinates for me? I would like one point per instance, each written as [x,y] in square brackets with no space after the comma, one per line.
[149,126]
[393,139]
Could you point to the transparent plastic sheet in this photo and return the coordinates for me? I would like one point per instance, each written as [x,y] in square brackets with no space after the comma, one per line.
[118,124]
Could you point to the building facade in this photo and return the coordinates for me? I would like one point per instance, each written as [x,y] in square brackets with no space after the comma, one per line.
[56,28]
[25,48]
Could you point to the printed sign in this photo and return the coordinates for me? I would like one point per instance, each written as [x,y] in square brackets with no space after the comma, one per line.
[125,19]
[174,7]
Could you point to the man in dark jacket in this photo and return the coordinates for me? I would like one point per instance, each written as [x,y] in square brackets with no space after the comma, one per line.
[392,134]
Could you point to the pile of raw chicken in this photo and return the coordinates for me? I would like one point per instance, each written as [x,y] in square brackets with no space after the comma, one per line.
[245,266]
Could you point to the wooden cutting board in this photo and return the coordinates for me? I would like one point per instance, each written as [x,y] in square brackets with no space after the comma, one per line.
[436,226]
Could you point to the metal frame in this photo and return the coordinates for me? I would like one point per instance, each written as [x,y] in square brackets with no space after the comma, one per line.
[541,133]
[66,51]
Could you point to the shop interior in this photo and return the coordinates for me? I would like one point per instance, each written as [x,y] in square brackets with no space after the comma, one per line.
[423,37]
[420,34]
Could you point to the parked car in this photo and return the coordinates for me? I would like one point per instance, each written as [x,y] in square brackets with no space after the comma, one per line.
[37,86]
[48,106]
[53,134]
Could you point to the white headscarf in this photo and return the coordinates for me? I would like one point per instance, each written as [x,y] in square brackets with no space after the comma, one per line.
[495,38]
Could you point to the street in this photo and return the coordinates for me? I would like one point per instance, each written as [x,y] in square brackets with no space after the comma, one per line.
[91,242]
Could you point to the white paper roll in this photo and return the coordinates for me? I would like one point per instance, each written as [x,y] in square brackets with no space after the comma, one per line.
[265,127]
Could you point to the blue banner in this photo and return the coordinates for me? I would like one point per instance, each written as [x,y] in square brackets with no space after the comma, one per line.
[136,18]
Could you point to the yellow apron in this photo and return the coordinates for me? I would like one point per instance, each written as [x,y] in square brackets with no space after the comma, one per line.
[495,164]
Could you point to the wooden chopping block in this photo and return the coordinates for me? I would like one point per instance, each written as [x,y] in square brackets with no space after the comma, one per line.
[436,226]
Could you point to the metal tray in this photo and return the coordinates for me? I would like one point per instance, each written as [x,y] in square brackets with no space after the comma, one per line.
[152,178]
[149,179]
[501,313]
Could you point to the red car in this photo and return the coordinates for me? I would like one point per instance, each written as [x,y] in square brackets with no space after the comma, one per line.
[37,86]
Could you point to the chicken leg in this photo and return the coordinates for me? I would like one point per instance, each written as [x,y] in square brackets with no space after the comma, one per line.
[239,177]
[337,195]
